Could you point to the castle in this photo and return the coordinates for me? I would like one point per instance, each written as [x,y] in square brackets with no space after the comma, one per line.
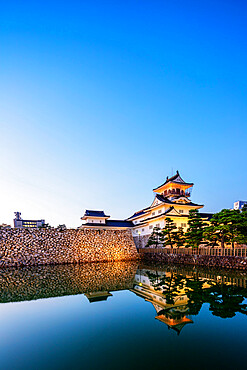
[171,199]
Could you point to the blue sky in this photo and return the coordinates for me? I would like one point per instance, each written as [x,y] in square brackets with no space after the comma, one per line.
[101,100]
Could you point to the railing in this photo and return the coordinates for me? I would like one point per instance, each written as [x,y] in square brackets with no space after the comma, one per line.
[236,252]
[177,192]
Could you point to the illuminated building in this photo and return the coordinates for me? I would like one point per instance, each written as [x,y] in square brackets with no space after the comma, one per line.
[98,219]
[20,223]
[239,204]
[172,199]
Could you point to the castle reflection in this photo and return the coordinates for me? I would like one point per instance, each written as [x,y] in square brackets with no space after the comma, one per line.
[176,293]
[166,295]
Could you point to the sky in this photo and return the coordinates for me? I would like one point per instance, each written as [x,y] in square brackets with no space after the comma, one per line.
[101,100]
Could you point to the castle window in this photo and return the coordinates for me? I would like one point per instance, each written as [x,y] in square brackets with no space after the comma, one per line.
[143,229]
[157,225]
[159,211]
[181,211]
[183,225]
[151,226]
[153,213]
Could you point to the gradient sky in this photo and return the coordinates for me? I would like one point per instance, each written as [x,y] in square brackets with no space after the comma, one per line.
[101,100]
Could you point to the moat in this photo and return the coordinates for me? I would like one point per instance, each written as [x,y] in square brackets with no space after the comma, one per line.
[122,315]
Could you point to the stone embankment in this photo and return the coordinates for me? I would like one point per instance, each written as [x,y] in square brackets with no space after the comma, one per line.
[21,247]
[226,262]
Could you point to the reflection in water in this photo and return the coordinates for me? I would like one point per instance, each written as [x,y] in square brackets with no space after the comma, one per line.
[165,292]
[176,293]
[103,315]
[60,280]
[98,296]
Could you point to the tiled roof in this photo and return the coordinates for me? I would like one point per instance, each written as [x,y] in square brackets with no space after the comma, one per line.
[166,200]
[173,179]
[119,223]
[161,214]
[29,220]
[137,214]
[111,223]
[163,200]
[93,213]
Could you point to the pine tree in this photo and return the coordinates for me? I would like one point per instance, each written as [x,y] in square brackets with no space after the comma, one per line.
[235,227]
[168,233]
[194,234]
[227,227]
[210,236]
[155,238]
[242,227]
[179,237]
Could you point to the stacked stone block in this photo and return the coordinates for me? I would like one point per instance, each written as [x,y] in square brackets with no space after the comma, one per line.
[219,262]
[21,247]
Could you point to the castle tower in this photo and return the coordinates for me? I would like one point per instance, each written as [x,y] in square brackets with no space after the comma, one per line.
[174,186]
[171,199]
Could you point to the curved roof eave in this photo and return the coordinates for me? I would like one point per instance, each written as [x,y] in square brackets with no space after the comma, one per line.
[172,179]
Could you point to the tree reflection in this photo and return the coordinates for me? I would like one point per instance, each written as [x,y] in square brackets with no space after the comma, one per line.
[225,299]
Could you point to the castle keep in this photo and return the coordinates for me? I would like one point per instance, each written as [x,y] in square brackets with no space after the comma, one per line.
[171,199]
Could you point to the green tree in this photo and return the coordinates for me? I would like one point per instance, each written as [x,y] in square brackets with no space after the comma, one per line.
[179,237]
[45,226]
[194,234]
[62,227]
[227,226]
[168,233]
[155,237]
[243,225]
[235,227]
[210,237]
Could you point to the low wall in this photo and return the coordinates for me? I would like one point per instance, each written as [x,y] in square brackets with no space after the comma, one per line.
[20,247]
[222,262]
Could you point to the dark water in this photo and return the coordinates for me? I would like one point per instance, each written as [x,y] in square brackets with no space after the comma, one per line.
[122,316]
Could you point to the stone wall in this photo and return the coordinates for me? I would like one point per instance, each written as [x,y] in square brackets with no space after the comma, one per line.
[20,247]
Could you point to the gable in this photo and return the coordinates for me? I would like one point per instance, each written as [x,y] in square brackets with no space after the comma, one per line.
[181,200]
[173,212]
[179,179]
[156,202]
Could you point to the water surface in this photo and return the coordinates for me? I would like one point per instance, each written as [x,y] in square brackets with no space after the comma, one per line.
[122,316]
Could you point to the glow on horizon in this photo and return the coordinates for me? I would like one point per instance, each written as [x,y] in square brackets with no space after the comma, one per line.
[100,101]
